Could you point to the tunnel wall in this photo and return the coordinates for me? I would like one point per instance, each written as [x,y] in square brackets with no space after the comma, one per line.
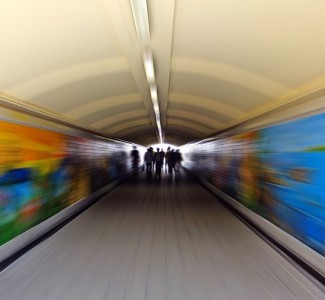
[47,169]
[277,172]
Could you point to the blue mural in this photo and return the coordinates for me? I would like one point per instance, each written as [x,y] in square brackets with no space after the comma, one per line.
[278,172]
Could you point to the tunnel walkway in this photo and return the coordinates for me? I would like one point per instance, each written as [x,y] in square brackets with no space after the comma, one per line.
[155,240]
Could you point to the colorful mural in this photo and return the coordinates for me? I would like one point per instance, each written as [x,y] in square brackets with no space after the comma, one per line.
[42,172]
[279,172]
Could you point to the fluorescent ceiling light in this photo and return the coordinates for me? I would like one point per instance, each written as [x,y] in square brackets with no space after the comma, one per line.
[153,93]
[156,109]
[148,65]
[141,21]
[154,100]
[140,17]
[160,133]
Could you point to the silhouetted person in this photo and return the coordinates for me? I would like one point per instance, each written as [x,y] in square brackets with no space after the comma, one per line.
[148,159]
[167,154]
[135,157]
[171,161]
[178,157]
[178,160]
[163,155]
[159,159]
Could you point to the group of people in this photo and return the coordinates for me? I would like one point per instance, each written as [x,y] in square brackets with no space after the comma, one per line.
[171,159]
[156,160]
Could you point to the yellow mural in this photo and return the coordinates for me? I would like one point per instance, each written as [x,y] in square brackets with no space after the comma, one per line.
[22,146]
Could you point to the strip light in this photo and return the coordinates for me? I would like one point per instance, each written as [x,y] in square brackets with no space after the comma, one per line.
[154,96]
[148,66]
[141,21]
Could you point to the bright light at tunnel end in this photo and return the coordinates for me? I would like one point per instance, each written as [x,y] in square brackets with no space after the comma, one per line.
[163,146]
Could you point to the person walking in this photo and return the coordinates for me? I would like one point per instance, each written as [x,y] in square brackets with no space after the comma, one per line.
[159,159]
[135,158]
[148,158]
[167,158]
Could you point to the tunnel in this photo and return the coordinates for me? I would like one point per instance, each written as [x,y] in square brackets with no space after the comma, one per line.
[231,205]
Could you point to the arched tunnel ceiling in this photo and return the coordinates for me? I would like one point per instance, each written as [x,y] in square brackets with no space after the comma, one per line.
[217,62]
